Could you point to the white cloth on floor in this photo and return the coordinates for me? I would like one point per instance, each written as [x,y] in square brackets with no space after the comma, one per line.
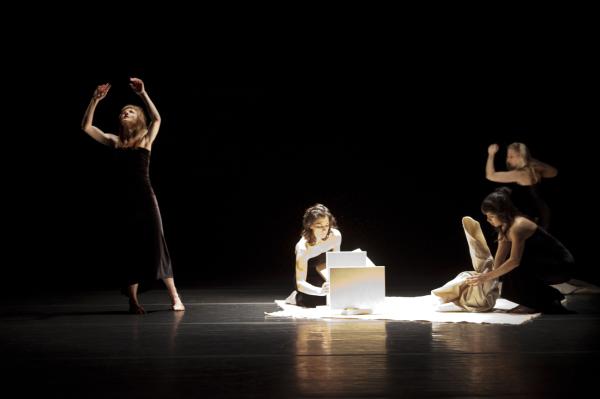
[422,308]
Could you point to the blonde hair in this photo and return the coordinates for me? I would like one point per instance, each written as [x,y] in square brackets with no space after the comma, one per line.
[525,165]
[140,124]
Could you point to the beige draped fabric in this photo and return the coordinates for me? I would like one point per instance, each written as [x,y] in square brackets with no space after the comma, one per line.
[479,298]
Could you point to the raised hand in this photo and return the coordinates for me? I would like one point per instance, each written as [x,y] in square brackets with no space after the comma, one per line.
[137,85]
[493,149]
[101,91]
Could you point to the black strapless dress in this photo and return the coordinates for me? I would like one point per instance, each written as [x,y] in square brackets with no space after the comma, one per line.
[545,261]
[143,253]
[529,201]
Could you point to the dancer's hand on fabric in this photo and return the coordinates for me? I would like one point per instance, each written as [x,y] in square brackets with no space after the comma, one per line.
[325,288]
[476,279]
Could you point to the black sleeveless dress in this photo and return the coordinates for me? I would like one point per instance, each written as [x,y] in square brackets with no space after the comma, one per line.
[313,277]
[529,201]
[143,253]
[545,261]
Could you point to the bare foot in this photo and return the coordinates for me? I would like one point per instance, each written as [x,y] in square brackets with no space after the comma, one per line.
[178,305]
[522,310]
[136,308]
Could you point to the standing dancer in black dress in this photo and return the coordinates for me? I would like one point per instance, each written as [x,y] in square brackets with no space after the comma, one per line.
[145,254]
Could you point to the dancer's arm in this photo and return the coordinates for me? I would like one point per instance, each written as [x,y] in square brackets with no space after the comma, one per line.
[138,86]
[511,176]
[301,284]
[518,235]
[544,170]
[337,239]
[88,118]
[502,252]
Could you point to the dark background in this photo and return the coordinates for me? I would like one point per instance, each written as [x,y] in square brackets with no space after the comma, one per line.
[390,133]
